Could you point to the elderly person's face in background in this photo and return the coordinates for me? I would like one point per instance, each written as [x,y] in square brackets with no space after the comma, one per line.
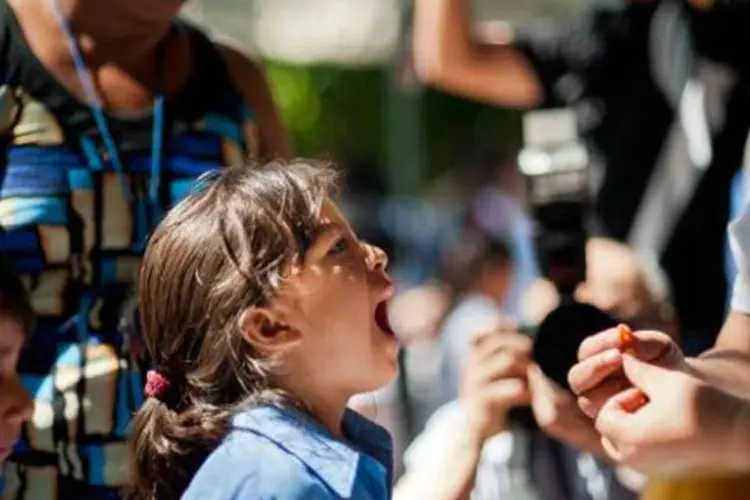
[616,282]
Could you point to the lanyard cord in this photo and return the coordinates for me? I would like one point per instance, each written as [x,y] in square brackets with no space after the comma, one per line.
[157,133]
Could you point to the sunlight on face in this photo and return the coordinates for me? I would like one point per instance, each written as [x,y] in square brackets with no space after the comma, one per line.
[335,297]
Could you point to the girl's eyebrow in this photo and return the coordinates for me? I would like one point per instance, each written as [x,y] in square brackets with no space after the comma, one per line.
[324,229]
[308,242]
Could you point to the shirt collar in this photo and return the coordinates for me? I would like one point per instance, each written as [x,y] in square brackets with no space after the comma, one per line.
[334,461]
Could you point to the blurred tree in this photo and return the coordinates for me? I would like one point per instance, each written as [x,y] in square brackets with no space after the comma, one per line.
[338,113]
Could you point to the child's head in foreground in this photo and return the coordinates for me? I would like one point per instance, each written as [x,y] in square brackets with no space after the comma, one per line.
[254,289]
[16,323]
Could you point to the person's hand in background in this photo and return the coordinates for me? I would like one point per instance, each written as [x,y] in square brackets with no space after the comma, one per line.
[494,379]
[500,375]
[557,414]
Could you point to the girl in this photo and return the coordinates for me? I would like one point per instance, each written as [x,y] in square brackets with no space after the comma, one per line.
[263,313]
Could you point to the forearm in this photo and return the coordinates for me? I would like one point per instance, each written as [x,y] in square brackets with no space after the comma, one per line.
[727,364]
[442,35]
[447,55]
[450,476]
[725,369]
[741,437]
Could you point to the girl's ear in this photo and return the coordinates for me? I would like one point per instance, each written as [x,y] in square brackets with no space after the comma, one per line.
[265,330]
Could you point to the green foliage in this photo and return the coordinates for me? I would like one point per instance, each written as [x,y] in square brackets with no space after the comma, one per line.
[331,111]
[341,113]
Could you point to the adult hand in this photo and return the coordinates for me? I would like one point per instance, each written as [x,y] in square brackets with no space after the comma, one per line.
[672,423]
[598,376]
[494,379]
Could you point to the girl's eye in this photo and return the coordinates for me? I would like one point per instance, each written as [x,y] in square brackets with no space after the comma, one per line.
[339,247]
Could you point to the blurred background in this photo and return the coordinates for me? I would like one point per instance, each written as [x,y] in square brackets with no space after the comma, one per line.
[342,76]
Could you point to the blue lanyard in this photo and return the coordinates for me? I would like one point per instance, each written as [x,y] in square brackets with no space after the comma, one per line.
[157,133]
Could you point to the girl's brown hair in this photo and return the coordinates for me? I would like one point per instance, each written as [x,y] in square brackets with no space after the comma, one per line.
[222,250]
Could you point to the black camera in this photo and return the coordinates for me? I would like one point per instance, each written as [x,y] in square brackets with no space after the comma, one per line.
[555,164]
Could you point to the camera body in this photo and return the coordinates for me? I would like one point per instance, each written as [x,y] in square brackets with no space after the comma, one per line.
[555,164]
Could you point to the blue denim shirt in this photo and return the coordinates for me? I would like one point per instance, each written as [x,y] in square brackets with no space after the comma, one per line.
[281,454]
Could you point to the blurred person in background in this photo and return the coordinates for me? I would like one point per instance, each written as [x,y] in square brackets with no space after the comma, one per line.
[478,269]
[16,323]
[109,109]
[658,90]
[432,321]
[473,446]
[435,321]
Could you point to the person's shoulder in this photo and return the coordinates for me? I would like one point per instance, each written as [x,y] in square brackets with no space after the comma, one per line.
[249,465]
[249,79]
[244,69]
[239,61]
[428,444]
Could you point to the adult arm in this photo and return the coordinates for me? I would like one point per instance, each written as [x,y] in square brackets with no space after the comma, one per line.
[442,462]
[249,79]
[727,364]
[447,56]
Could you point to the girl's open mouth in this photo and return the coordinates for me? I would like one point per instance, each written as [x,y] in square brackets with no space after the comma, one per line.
[381,318]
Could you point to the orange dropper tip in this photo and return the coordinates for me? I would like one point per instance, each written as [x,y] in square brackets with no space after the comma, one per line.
[626,337]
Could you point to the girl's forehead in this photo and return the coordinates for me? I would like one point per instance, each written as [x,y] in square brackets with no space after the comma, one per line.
[331,217]
[330,214]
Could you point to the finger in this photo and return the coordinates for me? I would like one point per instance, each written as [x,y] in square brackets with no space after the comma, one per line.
[615,422]
[541,387]
[644,375]
[647,344]
[503,365]
[504,325]
[653,345]
[592,371]
[591,402]
[544,394]
[509,393]
[500,342]
[598,343]
[611,449]
[481,337]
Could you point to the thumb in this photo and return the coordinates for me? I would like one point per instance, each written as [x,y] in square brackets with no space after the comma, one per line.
[618,417]
[643,375]
[540,386]
[543,395]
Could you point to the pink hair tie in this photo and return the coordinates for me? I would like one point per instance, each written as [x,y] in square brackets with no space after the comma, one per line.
[157,384]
